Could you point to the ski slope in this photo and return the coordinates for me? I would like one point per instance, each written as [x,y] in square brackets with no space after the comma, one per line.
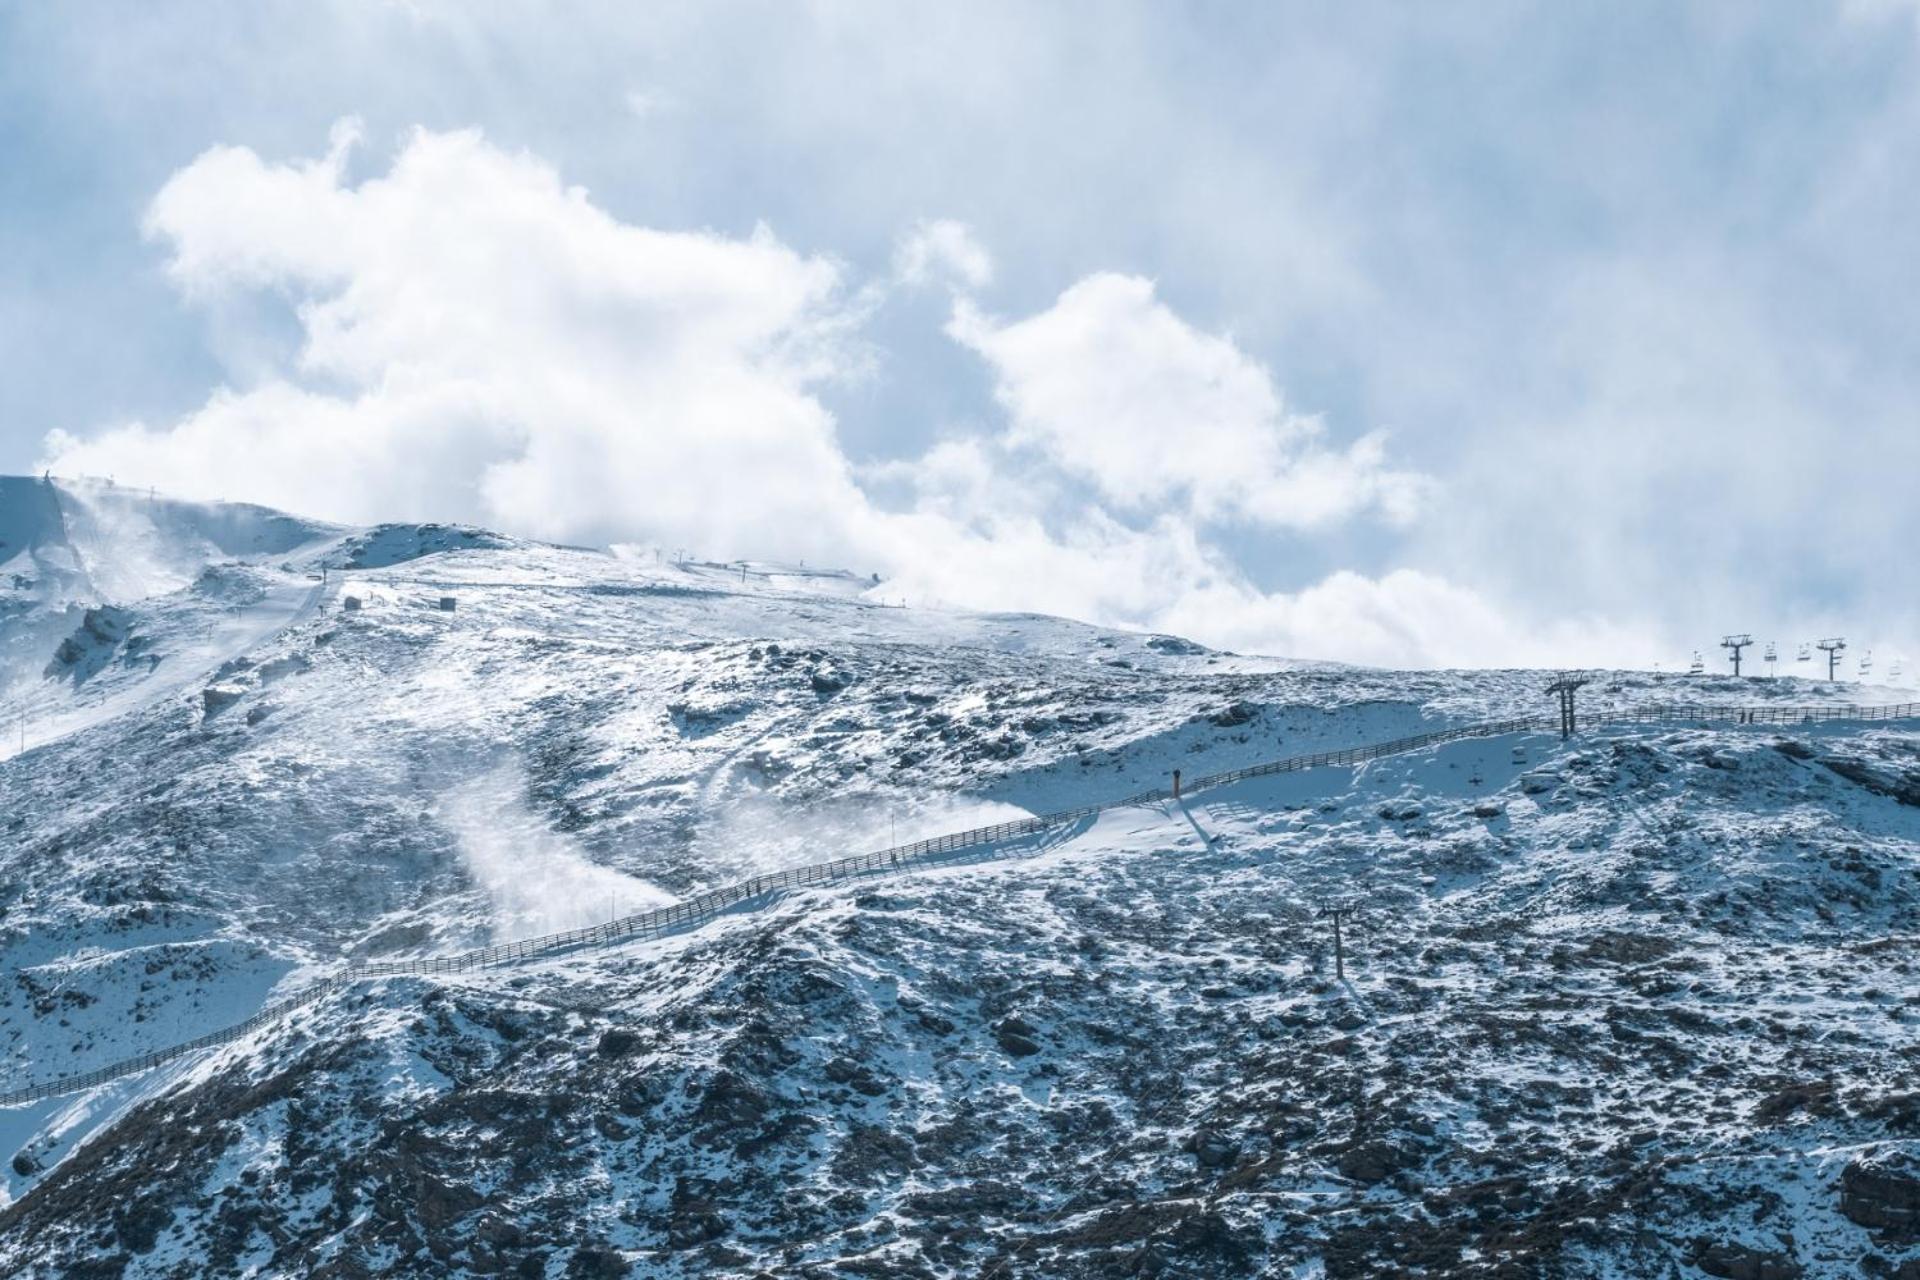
[1675,956]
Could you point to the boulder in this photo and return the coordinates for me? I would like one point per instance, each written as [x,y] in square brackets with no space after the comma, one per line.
[617,1043]
[1738,1262]
[216,698]
[1015,1035]
[1370,1162]
[1883,1192]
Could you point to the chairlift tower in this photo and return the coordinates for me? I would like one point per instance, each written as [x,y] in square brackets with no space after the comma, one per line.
[1339,912]
[1564,687]
[1736,644]
[1833,647]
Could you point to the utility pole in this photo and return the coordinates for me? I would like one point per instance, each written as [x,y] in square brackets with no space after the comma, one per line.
[1339,913]
[1736,644]
[1833,647]
[1564,687]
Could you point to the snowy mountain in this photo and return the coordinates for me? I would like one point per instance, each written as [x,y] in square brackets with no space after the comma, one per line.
[1640,1003]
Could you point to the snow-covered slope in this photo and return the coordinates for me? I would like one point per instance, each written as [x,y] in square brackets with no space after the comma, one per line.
[1612,1005]
[110,597]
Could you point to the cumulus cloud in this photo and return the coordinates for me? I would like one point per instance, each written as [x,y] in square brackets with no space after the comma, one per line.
[1111,385]
[480,341]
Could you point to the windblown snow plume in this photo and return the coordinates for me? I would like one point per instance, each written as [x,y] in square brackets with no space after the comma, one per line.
[538,879]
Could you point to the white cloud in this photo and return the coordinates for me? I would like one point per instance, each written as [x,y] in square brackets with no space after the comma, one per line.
[942,250]
[1111,385]
[482,342]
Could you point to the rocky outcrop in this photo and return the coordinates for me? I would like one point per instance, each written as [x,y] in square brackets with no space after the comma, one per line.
[1883,1192]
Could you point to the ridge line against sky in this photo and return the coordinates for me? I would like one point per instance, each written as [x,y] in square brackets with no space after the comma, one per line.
[1540,337]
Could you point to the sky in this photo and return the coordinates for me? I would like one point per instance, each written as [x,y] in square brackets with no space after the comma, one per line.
[1461,335]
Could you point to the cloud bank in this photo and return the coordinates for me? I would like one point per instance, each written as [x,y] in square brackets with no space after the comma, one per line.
[480,341]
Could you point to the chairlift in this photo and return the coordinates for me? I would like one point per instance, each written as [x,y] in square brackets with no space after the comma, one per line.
[1866,662]
[1697,666]
[1806,653]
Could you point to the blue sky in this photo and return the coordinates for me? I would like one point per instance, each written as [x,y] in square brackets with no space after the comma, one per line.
[1468,335]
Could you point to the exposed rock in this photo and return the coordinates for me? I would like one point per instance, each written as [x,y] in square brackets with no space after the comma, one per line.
[83,654]
[1233,715]
[617,1042]
[1016,1039]
[216,698]
[1212,1150]
[1370,1162]
[1738,1262]
[596,1262]
[1883,1192]
[1814,1097]
[1903,787]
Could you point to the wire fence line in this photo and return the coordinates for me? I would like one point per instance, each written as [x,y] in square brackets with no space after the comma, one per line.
[690,913]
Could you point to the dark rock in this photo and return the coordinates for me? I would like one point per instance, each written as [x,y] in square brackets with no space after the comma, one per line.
[1371,1162]
[1016,1045]
[1016,1036]
[846,1071]
[216,698]
[1737,1262]
[1900,1112]
[1905,789]
[617,1043]
[972,1201]
[596,1262]
[1213,1150]
[1883,1192]
[1815,1097]
[871,1154]
[1233,716]
[1626,948]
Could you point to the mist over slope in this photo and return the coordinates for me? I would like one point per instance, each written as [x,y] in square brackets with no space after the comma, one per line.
[1613,1004]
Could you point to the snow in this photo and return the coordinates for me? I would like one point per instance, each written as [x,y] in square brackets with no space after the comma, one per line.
[1573,962]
